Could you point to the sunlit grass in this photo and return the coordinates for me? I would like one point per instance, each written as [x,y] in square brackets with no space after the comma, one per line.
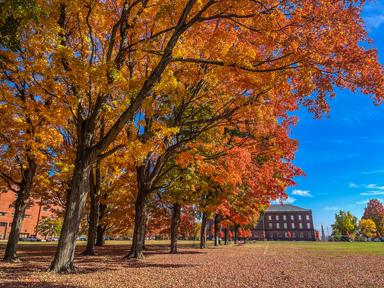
[326,247]
[332,247]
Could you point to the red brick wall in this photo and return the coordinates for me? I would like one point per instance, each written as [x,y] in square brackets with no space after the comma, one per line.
[30,221]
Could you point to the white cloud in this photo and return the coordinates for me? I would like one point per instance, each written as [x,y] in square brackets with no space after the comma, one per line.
[331,208]
[353,185]
[373,14]
[366,201]
[374,186]
[302,193]
[373,189]
[372,193]
[373,172]
[362,202]
[289,200]
[374,21]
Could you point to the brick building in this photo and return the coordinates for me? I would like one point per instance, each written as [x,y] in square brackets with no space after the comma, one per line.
[33,214]
[285,222]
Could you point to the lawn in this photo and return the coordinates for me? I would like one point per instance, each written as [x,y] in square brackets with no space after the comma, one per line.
[261,264]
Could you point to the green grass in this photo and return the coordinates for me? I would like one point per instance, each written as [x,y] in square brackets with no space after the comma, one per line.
[331,247]
[326,247]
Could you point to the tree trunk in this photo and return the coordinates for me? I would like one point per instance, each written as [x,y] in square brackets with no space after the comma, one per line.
[216,230]
[100,235]
[175,226]
[144,241]
[65,251]
[145,230]
[225,236]
[94,180]
[136,251]
[203,231]
[101,227]
[20,207]
[235,228]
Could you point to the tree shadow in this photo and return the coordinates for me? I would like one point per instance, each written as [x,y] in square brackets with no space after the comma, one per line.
[143,264]
[166,252]
[14,272]
[26,284]
[37,258]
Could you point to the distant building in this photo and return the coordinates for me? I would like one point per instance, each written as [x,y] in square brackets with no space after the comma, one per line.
[33,214]
[285,222]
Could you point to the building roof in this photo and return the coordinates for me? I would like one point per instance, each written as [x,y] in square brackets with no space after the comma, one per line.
[285,208]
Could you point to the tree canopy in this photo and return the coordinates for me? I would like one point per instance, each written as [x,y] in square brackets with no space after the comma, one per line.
[143,104]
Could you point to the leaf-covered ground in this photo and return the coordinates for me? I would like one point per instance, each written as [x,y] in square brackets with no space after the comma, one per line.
[252,265]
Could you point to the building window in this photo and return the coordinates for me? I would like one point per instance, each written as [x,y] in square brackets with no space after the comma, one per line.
[307,217]
[292,217]
[285,226]
[269,217]
[278,225]
[277,217]
[3,213]
[308,225]
[301,235]
[309,235]
[286,235]
[293,225]
[299,217]
[300,225]
[284,217]
[270,225]
[3,224]
[293,235]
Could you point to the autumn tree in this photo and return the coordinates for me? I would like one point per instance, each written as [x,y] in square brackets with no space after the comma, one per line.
[14,16]
[49,227]
[345,225]
[28,138]
[367,228]
[113,206]
[375,212]
[99,57]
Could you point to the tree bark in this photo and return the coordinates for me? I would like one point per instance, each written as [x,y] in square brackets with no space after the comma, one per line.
[203,231]
[95,183]
[216,230]
[101,227]
[100,236]
[65,252]
[136,251]
[235,230]
[20,207]
[225,236]
[145,230]
[175,226]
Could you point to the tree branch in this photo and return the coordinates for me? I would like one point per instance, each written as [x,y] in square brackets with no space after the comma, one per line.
[110,152]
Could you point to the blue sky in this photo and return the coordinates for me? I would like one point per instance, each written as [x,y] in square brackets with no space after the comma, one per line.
[343,154]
